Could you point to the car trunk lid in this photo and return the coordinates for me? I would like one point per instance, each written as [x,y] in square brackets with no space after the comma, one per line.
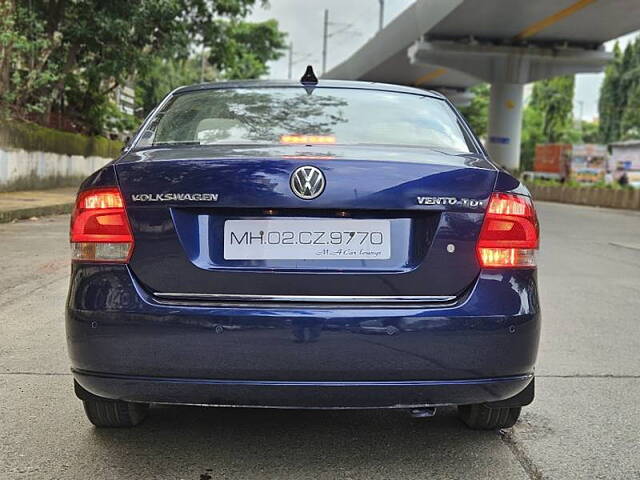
[180,200]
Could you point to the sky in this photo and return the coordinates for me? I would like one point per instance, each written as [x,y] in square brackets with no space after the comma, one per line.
[354,22]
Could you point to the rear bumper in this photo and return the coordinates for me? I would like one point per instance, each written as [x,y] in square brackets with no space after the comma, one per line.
[124,344]
[329,395]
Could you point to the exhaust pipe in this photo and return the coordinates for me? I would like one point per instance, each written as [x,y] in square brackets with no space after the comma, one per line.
[423,412]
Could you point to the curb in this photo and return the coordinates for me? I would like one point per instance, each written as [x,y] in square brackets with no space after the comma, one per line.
[22,213]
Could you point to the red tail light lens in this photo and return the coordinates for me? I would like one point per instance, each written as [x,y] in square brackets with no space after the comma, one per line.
[509,235]
[100,229]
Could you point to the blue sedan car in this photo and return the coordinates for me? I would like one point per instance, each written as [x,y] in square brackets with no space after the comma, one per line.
[313,244]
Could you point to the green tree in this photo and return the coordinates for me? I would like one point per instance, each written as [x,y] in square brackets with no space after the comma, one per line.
[619,105]
[590,132]
[609,101]
[69,56]
[548,117]
[630,122]
[477,112]
[24,57]
[532,123]
[159,76]
[8,39]
[241,50]
[553,98]
[630,83]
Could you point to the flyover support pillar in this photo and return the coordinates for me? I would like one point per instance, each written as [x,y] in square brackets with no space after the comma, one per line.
[507,68]
[505,124]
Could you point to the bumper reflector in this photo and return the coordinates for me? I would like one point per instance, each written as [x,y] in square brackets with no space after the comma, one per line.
[507,257]
[97,252]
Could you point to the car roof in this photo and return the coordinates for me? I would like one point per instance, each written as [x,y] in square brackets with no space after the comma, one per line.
[389,87]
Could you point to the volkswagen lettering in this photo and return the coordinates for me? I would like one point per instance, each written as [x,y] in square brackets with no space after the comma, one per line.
[313,244]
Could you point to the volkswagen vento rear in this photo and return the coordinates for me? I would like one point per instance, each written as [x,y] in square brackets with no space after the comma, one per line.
[315,245]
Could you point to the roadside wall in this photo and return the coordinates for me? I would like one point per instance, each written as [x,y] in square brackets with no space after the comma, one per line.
[23,170]
[597,197]
[35,157]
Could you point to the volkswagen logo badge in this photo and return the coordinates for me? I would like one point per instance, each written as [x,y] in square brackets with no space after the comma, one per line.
[307,182]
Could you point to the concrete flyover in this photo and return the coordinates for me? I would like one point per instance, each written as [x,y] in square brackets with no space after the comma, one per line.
[451,45]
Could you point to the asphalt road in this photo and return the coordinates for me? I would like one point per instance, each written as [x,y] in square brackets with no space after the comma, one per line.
[584,423]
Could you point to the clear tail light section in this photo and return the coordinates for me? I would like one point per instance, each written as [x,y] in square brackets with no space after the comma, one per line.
[510,233]
[100,230]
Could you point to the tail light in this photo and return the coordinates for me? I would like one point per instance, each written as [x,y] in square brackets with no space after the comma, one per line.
[509,235]
[100,229]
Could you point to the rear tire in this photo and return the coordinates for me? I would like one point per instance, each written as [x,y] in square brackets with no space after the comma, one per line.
[481,417]
[114,413]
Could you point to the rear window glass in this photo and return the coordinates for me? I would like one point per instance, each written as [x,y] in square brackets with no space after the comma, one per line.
[292,115]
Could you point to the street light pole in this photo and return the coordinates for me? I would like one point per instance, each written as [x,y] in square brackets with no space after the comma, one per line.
[381,21]
[324,40]
[343,28]
[581,103]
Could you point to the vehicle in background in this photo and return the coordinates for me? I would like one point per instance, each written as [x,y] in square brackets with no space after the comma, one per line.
[552,161]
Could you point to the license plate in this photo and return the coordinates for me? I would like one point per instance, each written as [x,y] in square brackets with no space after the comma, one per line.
[307,239]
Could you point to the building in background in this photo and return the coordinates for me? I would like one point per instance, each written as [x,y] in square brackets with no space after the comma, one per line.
[625,156]
[119,125]
[625,159]
[124,96]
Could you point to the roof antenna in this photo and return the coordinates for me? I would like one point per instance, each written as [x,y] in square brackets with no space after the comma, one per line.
[309,77]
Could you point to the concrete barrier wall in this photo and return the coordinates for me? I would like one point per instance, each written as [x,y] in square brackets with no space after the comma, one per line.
[20,169]
[596,197]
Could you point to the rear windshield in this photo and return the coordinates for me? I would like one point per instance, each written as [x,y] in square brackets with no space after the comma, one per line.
[291,115]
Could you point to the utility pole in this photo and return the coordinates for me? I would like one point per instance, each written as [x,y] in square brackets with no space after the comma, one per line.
[290,59]
[343,28]
[325,36]
[381,21]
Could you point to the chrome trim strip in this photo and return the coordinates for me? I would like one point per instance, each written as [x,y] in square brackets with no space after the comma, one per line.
[305,298]
[306,383]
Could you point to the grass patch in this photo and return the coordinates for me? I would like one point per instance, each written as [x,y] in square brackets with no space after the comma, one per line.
[33,182]
[32,137]
[541,182]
